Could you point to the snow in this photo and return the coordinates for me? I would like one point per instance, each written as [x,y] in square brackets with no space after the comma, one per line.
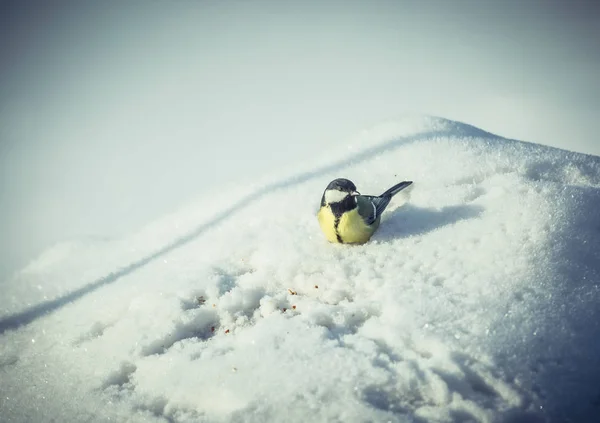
[477,299]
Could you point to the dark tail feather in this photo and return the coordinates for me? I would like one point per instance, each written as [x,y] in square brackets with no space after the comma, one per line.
[396,189]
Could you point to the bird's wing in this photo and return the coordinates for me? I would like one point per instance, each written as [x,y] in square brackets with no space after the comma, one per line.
[370,207]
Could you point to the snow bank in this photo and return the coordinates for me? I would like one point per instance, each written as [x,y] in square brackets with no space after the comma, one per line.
[477,300]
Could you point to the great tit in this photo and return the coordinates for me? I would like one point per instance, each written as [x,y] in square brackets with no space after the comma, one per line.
[347,217]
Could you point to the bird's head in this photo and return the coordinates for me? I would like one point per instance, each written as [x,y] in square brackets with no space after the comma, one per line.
[339,191]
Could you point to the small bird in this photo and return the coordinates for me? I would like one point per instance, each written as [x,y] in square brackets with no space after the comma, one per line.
[347,217]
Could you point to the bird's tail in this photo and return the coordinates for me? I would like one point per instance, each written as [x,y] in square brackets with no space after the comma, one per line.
[396,189]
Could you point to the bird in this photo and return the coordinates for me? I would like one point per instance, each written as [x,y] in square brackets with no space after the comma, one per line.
[347,217]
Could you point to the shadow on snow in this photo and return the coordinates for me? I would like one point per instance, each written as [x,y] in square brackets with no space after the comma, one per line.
[35,312]
[410,220]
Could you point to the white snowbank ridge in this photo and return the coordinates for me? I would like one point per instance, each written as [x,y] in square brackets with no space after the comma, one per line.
[478,300]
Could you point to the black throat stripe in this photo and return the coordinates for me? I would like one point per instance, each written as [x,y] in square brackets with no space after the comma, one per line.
[337,233]
[338,209]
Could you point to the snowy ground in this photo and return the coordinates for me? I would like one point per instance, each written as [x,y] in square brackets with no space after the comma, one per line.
[477,300]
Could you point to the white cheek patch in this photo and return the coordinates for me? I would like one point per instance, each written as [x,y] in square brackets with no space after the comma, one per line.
[334,196]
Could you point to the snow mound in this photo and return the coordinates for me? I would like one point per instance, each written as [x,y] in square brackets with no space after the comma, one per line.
[477,300]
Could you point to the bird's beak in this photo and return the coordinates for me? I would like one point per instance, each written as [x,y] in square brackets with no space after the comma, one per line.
[355,193]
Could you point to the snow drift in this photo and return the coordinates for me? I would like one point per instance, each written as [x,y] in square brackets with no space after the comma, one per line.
[477,300]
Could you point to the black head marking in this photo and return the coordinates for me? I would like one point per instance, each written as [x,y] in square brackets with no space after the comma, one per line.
[347,204]
[342,184]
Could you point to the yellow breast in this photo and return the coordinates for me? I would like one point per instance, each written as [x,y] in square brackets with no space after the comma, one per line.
[327,222]
[351,228]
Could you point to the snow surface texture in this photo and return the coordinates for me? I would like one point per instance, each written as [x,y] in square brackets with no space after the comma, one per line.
[477,300]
